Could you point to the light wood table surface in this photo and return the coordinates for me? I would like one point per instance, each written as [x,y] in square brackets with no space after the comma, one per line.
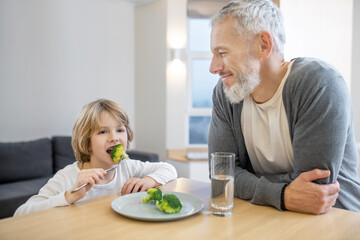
[95,219]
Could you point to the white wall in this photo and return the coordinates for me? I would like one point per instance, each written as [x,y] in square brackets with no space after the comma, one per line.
[150,74]
[160,88]
[321,29]
[56,56]
[176,83]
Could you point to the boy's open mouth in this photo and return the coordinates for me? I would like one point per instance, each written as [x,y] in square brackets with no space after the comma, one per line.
[109,150]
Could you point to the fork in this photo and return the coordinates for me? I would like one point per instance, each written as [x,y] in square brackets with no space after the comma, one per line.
[107,170]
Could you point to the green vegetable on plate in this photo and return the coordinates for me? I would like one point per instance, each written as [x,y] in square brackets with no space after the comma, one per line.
[169,203]
[155,194]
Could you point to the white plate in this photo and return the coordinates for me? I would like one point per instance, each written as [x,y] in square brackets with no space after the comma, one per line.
[131,206]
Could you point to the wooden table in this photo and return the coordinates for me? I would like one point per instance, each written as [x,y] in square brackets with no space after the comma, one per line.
[95,219]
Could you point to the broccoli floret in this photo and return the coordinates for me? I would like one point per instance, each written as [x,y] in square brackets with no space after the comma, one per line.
[169,204]
[118,153]
[154,194]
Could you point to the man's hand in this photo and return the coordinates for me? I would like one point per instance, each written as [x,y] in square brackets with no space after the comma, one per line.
[138,185]
[302,195]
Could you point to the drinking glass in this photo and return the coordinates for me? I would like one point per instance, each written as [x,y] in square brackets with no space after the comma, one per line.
[222,183]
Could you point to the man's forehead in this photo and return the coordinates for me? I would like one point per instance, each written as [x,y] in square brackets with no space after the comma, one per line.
[226,26]
[223,33]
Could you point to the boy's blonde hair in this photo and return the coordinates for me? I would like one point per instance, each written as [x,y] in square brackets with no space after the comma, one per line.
[88,122]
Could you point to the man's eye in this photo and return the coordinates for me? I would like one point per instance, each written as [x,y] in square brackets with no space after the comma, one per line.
[222,54]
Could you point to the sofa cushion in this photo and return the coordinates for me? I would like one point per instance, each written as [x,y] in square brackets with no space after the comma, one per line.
[25,160]
[63,153]
[143,156]
[13,195]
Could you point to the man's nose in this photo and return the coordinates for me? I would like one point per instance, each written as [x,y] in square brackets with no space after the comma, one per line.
[216,66]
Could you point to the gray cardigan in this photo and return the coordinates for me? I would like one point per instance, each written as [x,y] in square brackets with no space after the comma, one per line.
[319,112]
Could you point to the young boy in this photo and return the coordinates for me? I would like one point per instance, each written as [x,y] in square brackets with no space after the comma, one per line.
[100,126]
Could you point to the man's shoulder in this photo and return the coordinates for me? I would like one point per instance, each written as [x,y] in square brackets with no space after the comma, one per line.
[311,79]
[312,73]
[311,63]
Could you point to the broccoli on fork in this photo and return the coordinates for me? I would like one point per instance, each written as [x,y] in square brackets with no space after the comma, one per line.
[154,194]
[118,153]
[169,204]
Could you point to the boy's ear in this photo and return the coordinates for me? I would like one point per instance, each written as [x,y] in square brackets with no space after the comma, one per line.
[266,44]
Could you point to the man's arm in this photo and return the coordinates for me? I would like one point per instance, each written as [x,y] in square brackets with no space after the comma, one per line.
[320,135]
[320,118]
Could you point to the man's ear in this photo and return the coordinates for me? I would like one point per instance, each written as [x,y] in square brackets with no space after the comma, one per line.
[266,44]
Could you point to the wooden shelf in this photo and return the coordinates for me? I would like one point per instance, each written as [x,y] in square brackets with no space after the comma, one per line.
[181,154]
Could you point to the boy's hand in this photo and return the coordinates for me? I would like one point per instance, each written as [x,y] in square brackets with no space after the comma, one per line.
[138,185]
[89,176]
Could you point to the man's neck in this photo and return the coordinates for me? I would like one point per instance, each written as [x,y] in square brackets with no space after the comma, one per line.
[271,75]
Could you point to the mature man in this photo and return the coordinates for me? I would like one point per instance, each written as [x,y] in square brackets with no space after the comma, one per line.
[290,124]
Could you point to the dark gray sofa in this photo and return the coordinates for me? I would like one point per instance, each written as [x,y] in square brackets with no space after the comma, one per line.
[27,166]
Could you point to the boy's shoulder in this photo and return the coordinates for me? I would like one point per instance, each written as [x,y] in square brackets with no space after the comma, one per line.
[70,169]
[130,162]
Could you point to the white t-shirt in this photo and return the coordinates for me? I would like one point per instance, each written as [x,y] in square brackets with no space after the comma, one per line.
[53,193]
[266,133]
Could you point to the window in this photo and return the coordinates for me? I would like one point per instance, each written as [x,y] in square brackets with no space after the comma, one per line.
[200,81]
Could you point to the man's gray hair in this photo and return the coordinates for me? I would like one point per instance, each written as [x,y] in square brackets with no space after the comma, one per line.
[254,16]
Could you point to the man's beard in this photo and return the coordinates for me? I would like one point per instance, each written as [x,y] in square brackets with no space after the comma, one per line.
[243,87]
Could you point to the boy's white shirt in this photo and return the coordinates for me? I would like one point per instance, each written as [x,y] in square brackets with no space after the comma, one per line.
[53,193]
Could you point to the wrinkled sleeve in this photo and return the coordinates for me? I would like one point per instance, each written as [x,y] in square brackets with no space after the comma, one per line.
[160,171]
